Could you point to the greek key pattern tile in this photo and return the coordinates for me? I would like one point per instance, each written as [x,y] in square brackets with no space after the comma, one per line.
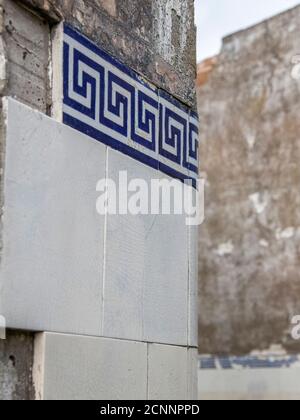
[112,104]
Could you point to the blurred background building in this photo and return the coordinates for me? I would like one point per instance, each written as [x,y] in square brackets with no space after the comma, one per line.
[249,277]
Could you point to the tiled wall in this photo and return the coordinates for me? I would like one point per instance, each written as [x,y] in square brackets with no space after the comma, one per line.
[109,102]
[114,369]
[101,288]
[57,267]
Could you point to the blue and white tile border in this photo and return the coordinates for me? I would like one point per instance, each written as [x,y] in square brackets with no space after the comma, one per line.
[112,104]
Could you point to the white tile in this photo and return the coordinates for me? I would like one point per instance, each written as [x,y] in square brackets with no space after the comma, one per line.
[87,368]
[192,375]
[126,256]
[197,198]
[53,238]
[166,286]
[145,292]
[167,372]
[194,209]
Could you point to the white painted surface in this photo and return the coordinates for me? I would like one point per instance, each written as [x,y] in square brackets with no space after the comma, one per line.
[249,384]
[146,280]
[53,239]
[88,368]
[52,270]
[168,372]
[166,285]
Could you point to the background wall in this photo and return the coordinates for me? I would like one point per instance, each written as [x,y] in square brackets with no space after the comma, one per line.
[250,243]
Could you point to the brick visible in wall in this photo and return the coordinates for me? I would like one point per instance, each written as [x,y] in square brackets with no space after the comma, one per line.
[27,42]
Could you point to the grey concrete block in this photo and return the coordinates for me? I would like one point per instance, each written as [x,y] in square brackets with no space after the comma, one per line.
[53,239]
[87,368]
[16,363]
[193,238]
[145,292]
[168,373]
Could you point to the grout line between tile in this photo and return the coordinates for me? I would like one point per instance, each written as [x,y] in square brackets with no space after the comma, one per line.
[104,253]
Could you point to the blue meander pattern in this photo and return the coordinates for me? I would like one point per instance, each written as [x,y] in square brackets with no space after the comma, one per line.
[114,105]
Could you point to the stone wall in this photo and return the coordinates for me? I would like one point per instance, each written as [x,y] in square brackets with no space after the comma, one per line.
[155,38]
[249,245]
[26,40]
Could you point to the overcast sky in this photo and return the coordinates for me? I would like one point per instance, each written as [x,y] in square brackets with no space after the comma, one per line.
[217,18]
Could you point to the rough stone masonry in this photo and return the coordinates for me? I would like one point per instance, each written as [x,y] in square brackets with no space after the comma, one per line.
[156,38]
[249,245]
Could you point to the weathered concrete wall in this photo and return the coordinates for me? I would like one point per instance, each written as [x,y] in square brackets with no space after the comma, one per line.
[16,359]
[154,37]
[26,40]
[250,243]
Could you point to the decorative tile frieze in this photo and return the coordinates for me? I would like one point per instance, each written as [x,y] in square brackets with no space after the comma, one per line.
[114,105]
